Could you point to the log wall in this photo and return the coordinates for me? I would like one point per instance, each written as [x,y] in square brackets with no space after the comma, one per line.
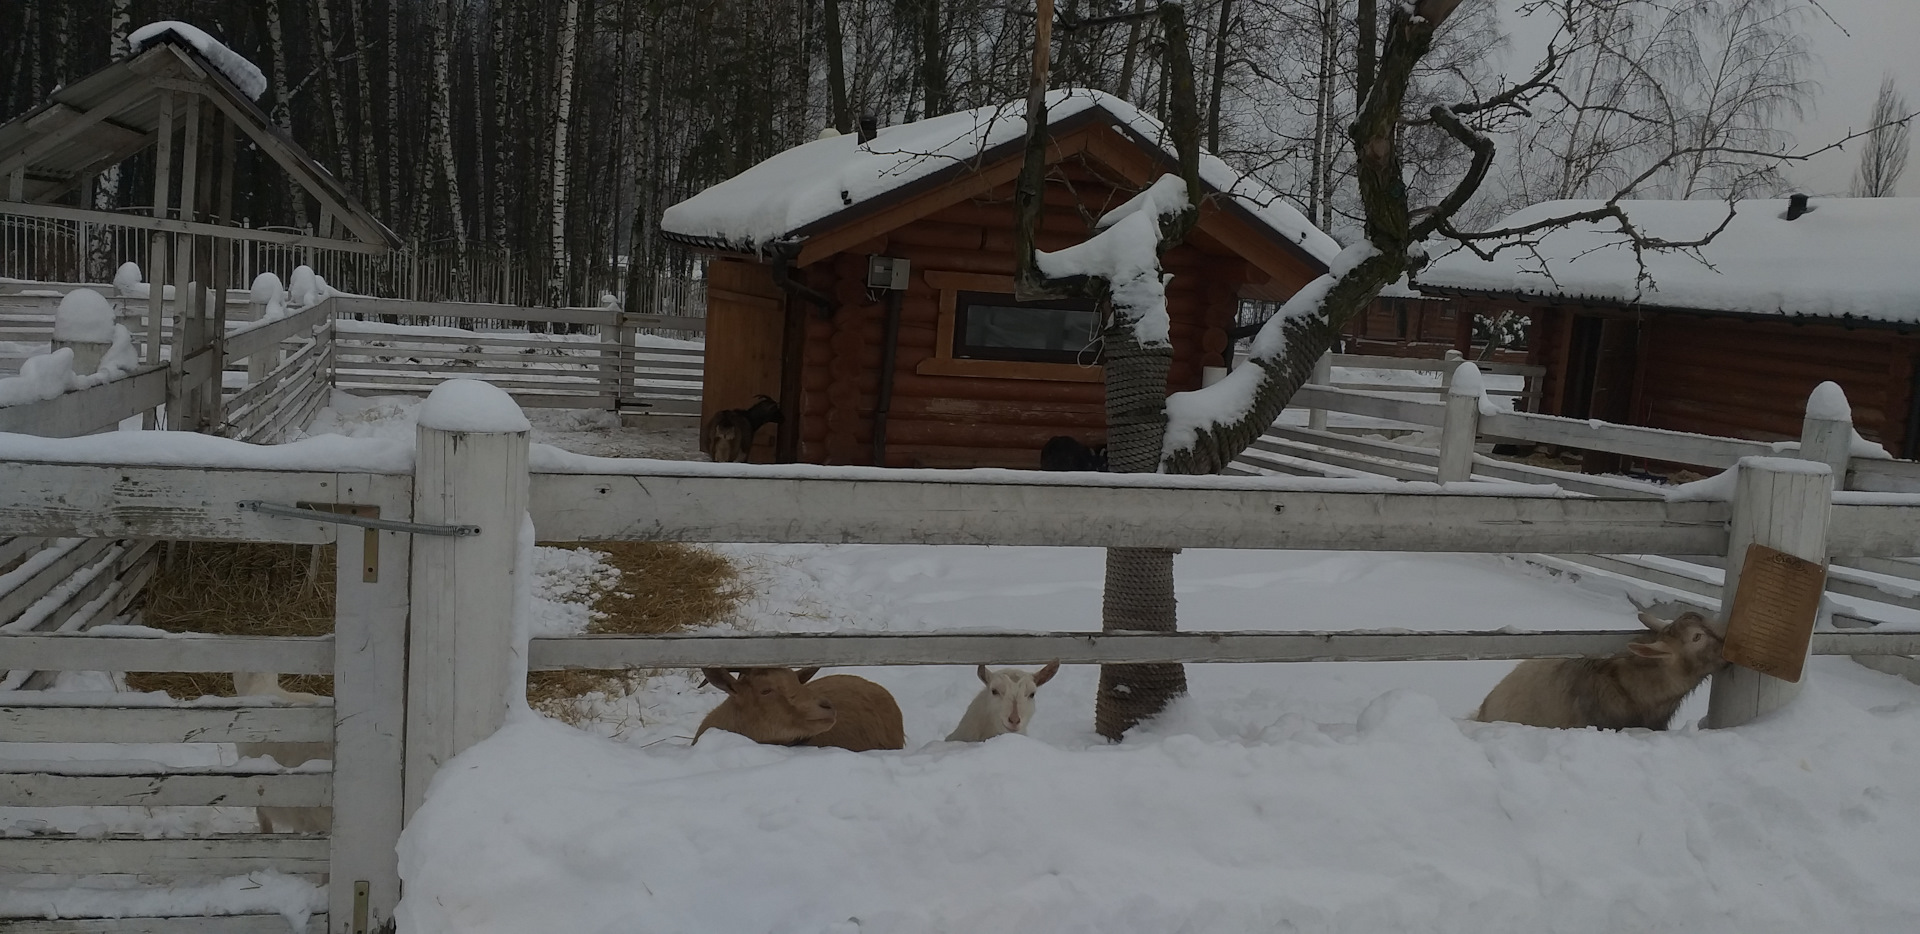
[978,421]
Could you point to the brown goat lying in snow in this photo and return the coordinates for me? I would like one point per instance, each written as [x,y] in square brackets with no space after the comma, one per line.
[1640,689]
[784,707]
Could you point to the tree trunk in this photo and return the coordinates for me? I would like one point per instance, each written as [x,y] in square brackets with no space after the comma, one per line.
[393,142]
[933,58]
[1219,88]
[282,99]
[330,79]
[440,125]
[562,117]
[836,70]
[106,189]
[369,180]
[1133,49]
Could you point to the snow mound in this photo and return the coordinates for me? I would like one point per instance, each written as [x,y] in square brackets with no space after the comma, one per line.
[127,277]
[244,74]
[42,377]
[269,295]
[83,317]
[1402,820]
[472,405]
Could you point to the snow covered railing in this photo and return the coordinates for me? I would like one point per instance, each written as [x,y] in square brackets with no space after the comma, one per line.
[796,650]
[604,363]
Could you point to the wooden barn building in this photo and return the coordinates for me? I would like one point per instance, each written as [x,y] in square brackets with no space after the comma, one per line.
[942,367]
[1727,338]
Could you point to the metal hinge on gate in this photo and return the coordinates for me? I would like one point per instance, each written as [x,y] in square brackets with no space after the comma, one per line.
[366,522]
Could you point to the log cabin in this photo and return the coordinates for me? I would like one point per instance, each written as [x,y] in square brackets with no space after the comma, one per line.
[942,367]
[1724,338]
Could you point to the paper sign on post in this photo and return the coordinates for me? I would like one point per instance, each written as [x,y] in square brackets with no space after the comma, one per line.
[1773,613]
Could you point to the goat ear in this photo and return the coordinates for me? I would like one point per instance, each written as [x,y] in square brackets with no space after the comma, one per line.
[983,673]
[1649,649]
[1046,674]
[1652,622]
[805,673]
[719,678]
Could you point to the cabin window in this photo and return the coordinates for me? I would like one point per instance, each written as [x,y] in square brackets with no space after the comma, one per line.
[996,326]
[983,332]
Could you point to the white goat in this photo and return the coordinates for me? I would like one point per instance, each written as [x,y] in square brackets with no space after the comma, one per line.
[1005,705]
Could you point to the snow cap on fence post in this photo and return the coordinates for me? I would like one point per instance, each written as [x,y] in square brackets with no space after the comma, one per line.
[1784,504]
[1462,427]
[470,469]
[1827,434]
[84,322]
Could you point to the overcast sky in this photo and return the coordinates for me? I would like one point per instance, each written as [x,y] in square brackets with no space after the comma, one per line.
[1872,38]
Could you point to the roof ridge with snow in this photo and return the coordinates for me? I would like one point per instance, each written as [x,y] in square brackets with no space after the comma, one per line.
[1846,258]
[826,182]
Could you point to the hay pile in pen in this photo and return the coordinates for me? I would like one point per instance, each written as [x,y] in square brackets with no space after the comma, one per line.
[238,589]
[231,588]
[663,587]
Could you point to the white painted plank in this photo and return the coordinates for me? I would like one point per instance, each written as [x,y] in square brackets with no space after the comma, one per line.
[591,507]
[1658,444]
[392,306]
[287,654]
[1429,414]
[223,924]
[224,855]
[41,789]
[369,681]
[28,592]
[85,411]
[1086,648]
[178,503]
[1883,476]
[22,724]
[262,335]
[1857,530]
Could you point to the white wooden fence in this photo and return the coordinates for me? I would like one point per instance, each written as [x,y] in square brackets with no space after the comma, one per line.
[405,595]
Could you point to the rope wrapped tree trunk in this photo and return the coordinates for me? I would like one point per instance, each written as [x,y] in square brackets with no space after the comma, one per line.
[1139,584]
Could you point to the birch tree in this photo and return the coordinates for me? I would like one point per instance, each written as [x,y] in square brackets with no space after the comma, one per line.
[1884,157]
[106,188]
[562,115]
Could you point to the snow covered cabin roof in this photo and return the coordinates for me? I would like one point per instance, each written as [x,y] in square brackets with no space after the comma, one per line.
[1846,258]
[827,183]
[112,114]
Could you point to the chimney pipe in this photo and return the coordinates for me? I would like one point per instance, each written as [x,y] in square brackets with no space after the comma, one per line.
[869,127]
[1796,206]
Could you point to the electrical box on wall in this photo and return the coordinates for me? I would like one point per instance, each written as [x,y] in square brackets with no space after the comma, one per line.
[887,272]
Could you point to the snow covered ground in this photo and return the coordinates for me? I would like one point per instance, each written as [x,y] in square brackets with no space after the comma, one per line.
[1311,797]
[1306,797]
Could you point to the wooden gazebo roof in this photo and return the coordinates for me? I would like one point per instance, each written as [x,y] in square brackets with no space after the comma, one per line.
[118,111]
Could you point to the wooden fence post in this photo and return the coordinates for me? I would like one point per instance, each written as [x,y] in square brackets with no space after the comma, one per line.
[470,469]
[1827,434]
[1783,504]
[369,712]
[1462,427]
[1322,376]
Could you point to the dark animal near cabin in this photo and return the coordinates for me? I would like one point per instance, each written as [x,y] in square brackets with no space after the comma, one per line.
[1640,689]
[779,706]
[1064,453]
[728,436]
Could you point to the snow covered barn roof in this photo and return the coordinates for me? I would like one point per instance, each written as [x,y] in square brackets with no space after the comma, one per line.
[829,183]
[1846,258]
[109,116]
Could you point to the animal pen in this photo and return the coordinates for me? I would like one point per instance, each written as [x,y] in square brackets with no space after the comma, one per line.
[424,654]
